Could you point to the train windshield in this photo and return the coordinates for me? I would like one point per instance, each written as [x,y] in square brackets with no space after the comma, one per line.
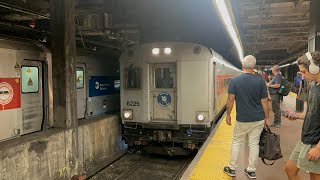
[164,77]
[133,78]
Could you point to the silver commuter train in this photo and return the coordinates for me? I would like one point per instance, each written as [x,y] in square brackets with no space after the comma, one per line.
[171,95]
[26,99]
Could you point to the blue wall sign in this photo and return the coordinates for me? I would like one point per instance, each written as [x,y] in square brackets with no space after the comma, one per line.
[102,85]
[164,99]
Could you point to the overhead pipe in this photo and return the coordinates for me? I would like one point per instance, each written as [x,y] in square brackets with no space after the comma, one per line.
[18,9]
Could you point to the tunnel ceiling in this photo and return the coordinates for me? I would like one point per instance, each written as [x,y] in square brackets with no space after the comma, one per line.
[132,22]
[275,31]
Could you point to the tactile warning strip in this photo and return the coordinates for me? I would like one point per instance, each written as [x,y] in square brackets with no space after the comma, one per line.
[216,155]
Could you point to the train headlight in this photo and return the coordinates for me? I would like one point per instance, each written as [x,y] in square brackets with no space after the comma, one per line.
[201,116]
[155,51]
[127,114]
[167,51]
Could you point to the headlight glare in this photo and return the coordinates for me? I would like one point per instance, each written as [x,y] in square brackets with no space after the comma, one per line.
[200,117]
[167,51]
[155,51]
[127,114]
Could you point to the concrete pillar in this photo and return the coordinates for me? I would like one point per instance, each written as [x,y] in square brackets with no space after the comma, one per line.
[314,32]
[62,14]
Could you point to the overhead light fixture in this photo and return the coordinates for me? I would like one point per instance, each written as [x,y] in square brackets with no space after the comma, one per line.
[230,26]
[285,65]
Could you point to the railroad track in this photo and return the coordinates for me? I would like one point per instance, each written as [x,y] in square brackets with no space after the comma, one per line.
[133,167]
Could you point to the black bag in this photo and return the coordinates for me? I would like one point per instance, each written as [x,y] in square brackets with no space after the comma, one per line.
[285,87]
[269,146]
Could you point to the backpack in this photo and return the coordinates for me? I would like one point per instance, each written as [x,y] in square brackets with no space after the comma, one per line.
[285,87]
[269,146]
[297,81]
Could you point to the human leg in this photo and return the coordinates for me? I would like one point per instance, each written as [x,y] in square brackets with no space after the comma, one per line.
[292,170]
[276,108]
[239,135]
[254,138]
[314,176]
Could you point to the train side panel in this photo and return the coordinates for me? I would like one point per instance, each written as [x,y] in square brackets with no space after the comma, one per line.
[193,91]
[102,85]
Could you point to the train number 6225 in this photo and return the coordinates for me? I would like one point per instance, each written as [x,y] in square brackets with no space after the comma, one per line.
[132,103]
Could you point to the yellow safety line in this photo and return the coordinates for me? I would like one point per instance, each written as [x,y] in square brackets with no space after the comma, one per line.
[217,154]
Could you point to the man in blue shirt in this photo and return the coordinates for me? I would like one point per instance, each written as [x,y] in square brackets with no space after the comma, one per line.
[252,109]
[274,86]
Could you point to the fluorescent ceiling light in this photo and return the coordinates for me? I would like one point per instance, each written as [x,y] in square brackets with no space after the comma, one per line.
[285,65]
[226,18]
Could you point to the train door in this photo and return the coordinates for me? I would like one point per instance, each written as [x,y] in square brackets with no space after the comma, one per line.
[163,91]
[32,96]
[81,91]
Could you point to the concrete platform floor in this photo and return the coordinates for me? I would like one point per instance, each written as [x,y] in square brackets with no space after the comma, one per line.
[289,133]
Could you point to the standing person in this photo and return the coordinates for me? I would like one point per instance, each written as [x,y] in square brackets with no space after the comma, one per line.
[265,76]
[252,111]
[274,87]
[297,82]
[306,154]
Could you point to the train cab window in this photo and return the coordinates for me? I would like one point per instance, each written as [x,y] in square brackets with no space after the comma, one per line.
[79,76]
[133,79]
[29,79]
[164,77]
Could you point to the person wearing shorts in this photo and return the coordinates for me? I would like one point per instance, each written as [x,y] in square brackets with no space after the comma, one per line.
[305,155]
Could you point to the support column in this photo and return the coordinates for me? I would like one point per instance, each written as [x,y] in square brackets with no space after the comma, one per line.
[314,32]
[64,63]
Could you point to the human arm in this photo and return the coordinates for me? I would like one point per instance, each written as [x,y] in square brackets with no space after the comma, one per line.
[277,82]
[265,104]
[230,100]
[314,153]
[230,103]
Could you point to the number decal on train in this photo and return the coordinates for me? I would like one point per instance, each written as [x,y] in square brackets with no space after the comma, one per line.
[133,103]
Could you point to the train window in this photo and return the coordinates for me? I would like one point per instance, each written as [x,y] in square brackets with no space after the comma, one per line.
[79,76]
[133,78]
[30,79]
[164,77]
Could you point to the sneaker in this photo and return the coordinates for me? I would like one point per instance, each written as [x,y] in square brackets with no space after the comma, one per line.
[277,125]
[229,171]
[251,175]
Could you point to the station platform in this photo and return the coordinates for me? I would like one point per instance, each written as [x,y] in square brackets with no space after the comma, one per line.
[215,153]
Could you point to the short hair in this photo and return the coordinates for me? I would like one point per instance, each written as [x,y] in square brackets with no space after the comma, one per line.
[249,62]
[276,68]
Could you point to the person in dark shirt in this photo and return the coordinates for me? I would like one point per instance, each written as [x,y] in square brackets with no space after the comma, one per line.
[274,86]
[252,109]
[306,154]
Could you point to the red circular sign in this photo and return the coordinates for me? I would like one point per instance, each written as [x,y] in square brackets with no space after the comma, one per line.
[6,93]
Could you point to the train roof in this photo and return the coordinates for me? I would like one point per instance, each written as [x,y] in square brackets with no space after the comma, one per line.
[21,44]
